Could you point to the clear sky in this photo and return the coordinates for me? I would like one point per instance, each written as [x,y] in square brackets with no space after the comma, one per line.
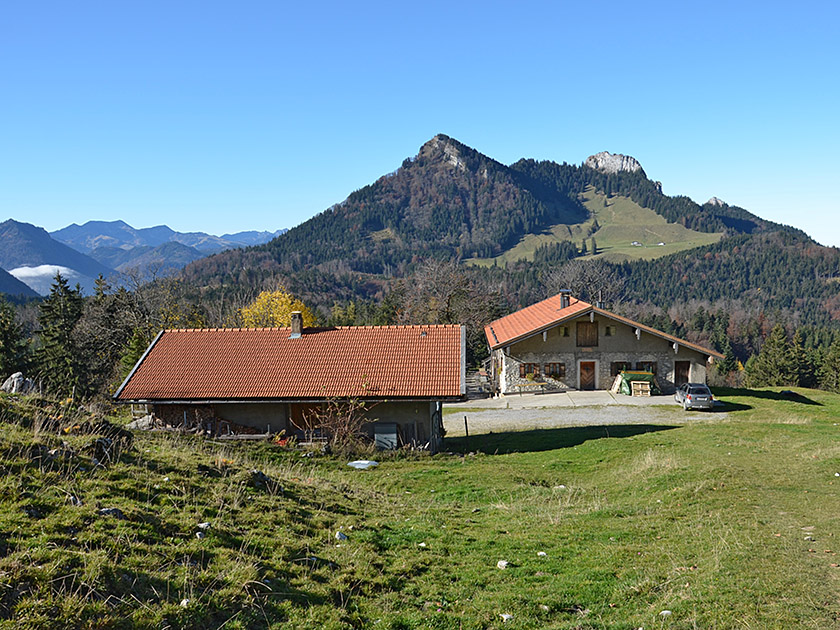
[228,116]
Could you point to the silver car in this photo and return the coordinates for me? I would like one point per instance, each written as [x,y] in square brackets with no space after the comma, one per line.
[694,396]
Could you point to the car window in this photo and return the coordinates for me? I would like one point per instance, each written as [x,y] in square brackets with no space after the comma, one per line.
[700,390]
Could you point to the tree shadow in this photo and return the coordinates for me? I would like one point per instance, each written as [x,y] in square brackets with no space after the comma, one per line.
[546,439]
[787,395]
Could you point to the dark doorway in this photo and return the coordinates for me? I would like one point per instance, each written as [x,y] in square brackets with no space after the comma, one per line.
[587,374]
[682,369]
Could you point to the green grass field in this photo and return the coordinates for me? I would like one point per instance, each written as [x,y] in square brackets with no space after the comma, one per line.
[726,523]
[621,222]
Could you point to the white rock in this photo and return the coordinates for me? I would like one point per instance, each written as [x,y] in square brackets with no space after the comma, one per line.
[502,564]
[665,613]
[505,617]
[606,162]
[185,603]
[363,464]
[340,536]
[204,525]
[421,545]
[542,554]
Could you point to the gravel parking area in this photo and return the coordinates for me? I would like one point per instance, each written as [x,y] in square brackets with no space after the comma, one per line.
[547,411]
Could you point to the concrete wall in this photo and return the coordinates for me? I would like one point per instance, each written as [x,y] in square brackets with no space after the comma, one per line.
[555,347]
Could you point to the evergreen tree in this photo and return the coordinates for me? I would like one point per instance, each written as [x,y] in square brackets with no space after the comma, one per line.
[775,364]
[133,351]
[729,363]
[829,373]
[58,359]
[803,361]
[594,247]
[14,350]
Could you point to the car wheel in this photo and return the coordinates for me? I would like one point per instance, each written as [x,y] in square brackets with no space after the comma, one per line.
[685,406]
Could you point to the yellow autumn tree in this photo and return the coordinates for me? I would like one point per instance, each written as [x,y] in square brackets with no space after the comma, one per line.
[274,308]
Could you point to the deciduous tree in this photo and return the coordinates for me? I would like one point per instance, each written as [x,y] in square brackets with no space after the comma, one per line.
[274,308]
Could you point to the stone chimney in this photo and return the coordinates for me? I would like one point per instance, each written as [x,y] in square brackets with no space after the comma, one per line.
[565,298]
[297,325]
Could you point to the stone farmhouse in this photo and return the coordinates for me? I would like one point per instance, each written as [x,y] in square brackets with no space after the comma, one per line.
[275,379]
[566,343]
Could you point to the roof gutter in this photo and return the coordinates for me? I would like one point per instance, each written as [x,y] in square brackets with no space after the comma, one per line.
[228,401]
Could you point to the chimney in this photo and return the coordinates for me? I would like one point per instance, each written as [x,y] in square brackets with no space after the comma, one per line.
[600,302]
[297,325]
[565,298]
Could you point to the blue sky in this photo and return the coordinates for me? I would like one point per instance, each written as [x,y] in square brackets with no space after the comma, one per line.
[222,116]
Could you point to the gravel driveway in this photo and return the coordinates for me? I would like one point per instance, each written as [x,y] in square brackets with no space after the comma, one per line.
[531,411]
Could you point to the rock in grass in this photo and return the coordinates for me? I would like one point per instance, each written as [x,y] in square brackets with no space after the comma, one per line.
[363,464]
[340,536]
[665,613]
[112,511]
[505,617]
[204,525]
[502,564]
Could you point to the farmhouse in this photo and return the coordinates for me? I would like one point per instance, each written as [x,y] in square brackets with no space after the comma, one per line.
[275,379]
[570,344]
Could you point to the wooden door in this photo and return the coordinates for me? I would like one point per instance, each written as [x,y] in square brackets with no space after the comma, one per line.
[587,374]
[682,369]
[587,334]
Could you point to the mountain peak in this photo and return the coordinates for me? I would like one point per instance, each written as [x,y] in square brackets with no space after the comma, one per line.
[442,146]
[607,162]
[714,201]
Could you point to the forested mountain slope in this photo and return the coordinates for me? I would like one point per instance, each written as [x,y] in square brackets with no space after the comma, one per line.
[451,202]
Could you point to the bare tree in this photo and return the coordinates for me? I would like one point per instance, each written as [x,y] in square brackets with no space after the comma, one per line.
[590,280]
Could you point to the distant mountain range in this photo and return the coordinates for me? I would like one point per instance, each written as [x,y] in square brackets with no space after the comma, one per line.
[92,235]
[32,256]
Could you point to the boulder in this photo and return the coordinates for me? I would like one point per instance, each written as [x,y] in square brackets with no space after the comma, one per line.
[17,384]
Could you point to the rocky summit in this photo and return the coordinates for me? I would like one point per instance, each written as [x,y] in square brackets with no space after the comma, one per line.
[608,163]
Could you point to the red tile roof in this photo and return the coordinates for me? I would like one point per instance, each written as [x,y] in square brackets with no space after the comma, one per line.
[543,315]
[264,363]
[531,319]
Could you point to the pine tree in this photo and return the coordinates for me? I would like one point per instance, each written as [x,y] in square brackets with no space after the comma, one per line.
[594,247]
[775,364]
[829,373]
[729,363]
[804,364]
[14,350]
[58,359]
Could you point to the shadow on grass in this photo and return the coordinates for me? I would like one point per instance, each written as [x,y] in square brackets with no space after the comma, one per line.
[781,395]
[546,439]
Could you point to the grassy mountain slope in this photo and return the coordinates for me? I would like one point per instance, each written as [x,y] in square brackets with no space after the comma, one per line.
[620,222]
[695,516]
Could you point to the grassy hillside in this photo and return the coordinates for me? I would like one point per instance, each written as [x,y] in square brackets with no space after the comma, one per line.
[620,222]
[727,522]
